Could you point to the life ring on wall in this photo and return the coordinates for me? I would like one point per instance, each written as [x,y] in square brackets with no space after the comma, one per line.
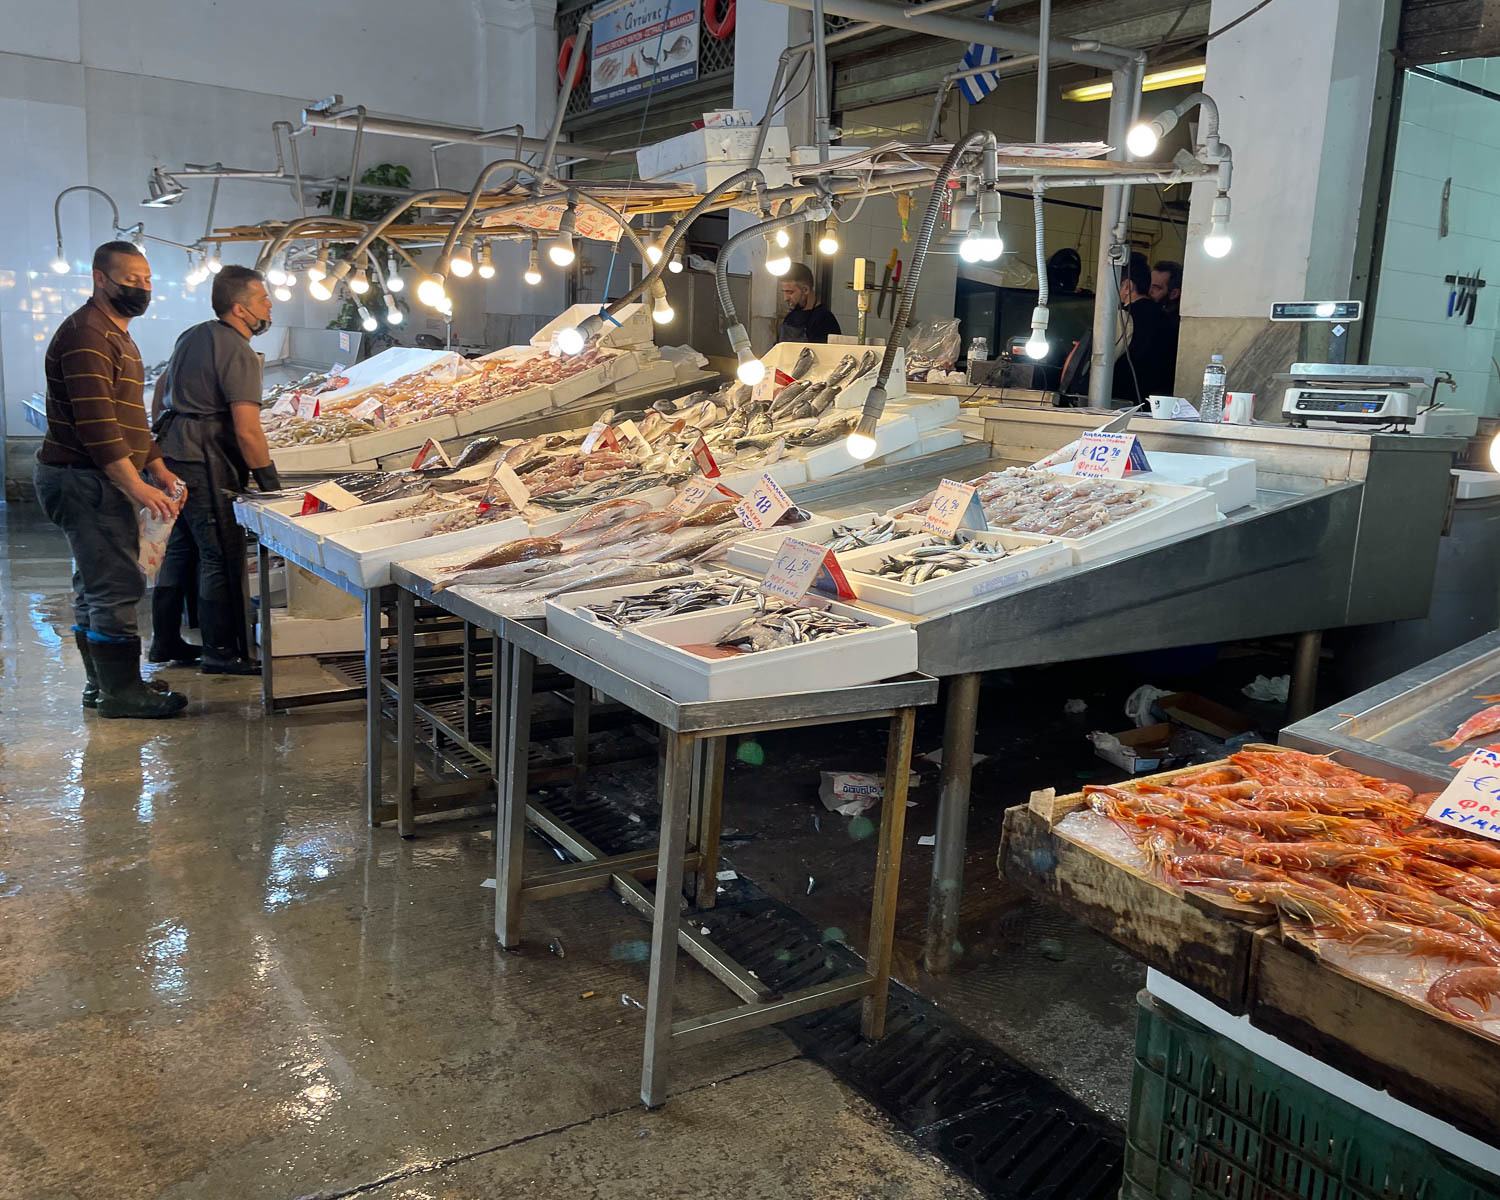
[720,26]
[562,60]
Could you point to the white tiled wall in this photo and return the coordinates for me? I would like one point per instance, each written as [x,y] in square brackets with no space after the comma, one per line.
[1446,134]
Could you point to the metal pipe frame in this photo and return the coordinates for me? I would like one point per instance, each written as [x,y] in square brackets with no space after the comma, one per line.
[327,115]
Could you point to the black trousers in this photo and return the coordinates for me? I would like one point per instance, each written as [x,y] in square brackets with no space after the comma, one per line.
[100,524]
[205,527]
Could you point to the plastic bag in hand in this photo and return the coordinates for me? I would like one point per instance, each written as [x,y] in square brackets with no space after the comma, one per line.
[154,533]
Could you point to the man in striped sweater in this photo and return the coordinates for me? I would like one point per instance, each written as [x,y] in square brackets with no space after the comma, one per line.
[97,465]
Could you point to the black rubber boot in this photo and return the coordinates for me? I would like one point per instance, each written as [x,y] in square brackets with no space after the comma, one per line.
[183,653]
[91,686]
[227,664]
[122,693]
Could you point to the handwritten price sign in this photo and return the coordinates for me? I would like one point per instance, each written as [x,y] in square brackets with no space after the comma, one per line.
[763,505]
[798,565]
[1109,455]
[370,410]
[1472,801]
[704,459]
[308,406]
[601,437]
[327,496]
[431,455]
[956,506]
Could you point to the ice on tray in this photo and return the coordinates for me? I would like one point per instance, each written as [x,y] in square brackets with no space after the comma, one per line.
[1098,832]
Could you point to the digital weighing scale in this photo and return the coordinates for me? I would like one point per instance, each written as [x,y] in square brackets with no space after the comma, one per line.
[1344,395]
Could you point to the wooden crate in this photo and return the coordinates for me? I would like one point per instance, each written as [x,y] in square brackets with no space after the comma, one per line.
[1204,941]
[1380,1037]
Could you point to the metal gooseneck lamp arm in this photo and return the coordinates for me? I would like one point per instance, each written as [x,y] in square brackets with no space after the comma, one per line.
[739,339]
[862,440]
[114,214]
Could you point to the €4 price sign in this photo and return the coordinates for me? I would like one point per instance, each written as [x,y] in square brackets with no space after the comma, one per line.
[1472,801]
[1109,455]
[798,565]
[956,506]
[763,505]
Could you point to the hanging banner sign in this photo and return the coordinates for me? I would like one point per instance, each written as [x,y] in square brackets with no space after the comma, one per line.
[647,44]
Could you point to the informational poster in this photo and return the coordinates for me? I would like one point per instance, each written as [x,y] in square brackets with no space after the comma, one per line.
[646,44]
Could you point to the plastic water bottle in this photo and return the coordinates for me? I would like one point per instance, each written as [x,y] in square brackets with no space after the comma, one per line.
[1211,404]
[979,353]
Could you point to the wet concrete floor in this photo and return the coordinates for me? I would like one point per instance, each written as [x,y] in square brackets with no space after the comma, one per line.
[215,981]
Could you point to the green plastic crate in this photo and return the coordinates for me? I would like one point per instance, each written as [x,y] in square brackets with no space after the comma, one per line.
[1209,1120]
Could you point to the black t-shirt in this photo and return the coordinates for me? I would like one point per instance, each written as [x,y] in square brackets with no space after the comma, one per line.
[1148,368]
[814,324]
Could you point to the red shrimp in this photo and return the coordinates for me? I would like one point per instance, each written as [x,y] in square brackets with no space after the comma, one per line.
[1480,985]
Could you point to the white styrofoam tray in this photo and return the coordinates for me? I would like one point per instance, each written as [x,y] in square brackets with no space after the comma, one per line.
[719,144]
[754,554]
[651,652]
[570,623]
[364,555]
[929,412]
[386,367]
[1231,480]
[322,456]
[395,438]
[292,637]
[1177,510]
[787,472]
[783,356]
[283,523]
[634,328]
[930,442]
[1030,557]
[893,433]
[485,417]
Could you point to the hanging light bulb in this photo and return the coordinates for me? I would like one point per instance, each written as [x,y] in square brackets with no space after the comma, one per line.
[319,288]
[982,241]
[393,280]
[653,253]
[430,291]
[533,275]
[750,370]
[861,443]
[782,238]
[282,292]
[778,261]
[445,309]
[970,249]
[276,277]
[486,266]
[393,314]
[197,272]
[675,264]
[212,263]
[1036,344]
[290,279]
[828,243]
[319,269]
[570,341]
[560,250]
[359,282]
[1218,243]
[661,307]
[367,320]
[462,263]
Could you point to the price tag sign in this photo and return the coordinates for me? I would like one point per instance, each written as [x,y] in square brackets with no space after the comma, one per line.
[307,406]
[693,497]
[1472,801]
[633,433]
[431,455]
[1109,455]
[369,410]
[510,483]
[704,459]
[956,506]
[770,384]
[601,436]
[326,496]
[800,565]
[763,505]
[284,405]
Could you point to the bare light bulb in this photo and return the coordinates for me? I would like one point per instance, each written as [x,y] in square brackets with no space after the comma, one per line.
[1142,140]
[290,279]
[486,267]
[393,280]
[392,313]
[1218,243]
[828,243]
[213,264]
[367,320]
[320,289]
[1036,346]
[430,291]
[653,253]
[661,309]
[276,277]
[861,446]
[533,275]
[359,283]
[1495,452]
[560,250]
[782,237]
[461,264]
[570,340]
[282,293]
[319,269]
[60,265]
[675,264]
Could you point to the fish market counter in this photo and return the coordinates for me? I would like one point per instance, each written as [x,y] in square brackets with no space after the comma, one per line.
[692,736]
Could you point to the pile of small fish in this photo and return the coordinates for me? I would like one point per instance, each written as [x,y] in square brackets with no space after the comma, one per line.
[848,537]
[1057,506]
[1342,856]
[673,600]
[919,564]
[283,429]
[310,384]
[775,628]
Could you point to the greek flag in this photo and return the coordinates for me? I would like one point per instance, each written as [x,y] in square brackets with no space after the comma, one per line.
[976,87]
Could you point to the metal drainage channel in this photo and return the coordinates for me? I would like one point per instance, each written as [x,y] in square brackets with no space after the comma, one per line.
[1014,1134]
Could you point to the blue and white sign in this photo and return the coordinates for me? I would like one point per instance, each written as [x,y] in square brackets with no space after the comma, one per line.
[646,44]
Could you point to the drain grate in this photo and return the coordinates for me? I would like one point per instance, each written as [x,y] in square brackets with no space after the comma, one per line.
[1014,1134]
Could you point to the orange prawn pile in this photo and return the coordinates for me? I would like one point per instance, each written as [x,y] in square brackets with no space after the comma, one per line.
[1339,855]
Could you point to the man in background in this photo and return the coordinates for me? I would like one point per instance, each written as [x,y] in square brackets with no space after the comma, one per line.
[1143,369]
[806,320]
[211,434]
[98,464]
[1166,290]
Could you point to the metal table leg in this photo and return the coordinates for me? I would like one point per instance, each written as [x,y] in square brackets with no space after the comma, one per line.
[373,732]
[470,681]
[1301,701]
[952,823]
[888,870]
[711,816]
[406,727]
[510,807]
[667,917]
[583,703]
[267,653]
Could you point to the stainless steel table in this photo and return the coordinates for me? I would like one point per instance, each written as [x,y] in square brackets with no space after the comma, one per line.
[693,739]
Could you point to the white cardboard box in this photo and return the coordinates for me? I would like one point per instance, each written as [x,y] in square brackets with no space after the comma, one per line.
[1030,557]
[893,433]
[710,152]
[754,554]
[1231,480]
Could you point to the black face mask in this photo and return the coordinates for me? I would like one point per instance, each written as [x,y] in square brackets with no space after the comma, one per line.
[129,301]
[255,327]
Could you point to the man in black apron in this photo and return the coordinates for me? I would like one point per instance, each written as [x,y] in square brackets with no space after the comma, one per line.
[211,436]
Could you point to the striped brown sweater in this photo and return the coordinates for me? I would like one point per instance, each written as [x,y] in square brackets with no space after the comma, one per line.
[95,391]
